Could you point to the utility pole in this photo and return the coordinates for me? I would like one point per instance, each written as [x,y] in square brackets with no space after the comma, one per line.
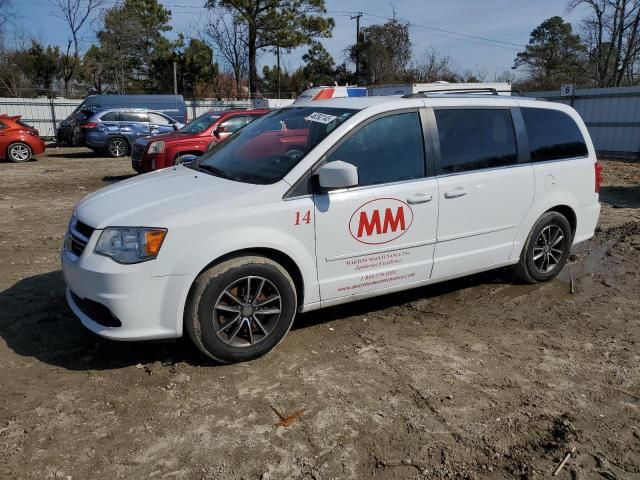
[278,57]
[175,78]
[357,19]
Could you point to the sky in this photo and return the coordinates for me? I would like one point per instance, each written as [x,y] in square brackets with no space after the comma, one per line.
[477,35]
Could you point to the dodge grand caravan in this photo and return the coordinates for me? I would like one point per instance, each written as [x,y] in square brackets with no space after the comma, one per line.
[386,194]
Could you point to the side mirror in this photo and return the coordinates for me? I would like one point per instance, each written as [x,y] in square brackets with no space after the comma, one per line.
[175,127]
[338,174]
[219,130]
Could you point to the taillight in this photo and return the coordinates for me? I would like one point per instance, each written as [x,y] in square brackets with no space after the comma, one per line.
[598,169]
[89,125]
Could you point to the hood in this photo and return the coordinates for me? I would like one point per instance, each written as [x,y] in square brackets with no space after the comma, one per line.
[143,200]
[165,137]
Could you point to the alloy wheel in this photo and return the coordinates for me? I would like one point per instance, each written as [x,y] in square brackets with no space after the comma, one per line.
[247,311]
[548,248]
[19,152]
[117,147]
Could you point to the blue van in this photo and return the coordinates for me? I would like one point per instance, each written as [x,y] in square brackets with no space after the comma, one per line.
[70,133]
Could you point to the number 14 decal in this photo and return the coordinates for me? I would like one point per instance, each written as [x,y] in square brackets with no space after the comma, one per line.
[306,218]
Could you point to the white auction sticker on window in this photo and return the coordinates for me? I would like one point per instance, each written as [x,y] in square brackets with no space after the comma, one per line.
[321,118]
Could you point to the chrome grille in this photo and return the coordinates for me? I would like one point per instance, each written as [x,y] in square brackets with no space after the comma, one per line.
[78,236]
[137,153]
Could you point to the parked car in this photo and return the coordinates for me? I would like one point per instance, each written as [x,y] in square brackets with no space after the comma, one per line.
[70,133]
[389,194]
[19,142]
[195,138]
[116,130]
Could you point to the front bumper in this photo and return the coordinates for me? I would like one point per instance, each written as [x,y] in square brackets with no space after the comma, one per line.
[148,162]
[147,307]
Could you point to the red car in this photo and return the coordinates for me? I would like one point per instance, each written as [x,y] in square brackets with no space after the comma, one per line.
[195,138]
[19,142]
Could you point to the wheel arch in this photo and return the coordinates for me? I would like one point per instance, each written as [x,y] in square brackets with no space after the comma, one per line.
[569,213]
[277,256]
[13,142]
[559,202]
[121,137]
[187,152]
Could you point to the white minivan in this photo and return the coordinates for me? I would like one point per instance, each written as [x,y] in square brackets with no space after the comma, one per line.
[320,204]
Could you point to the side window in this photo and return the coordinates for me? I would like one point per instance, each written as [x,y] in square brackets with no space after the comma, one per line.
[110,117]
[157,119]
[389,149]
[3,126]
[234,123]
[552,135]
[134,117]
[473,139]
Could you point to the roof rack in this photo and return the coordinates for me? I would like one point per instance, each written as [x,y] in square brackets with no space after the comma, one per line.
[457,91]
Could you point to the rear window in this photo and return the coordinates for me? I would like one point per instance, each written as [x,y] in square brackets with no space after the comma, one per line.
[473,139]
[552,134]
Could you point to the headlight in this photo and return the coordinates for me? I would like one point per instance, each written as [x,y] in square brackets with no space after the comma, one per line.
[130,245]
[156,147]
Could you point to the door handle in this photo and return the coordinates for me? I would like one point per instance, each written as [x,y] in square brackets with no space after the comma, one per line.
[419,198]
[458,192]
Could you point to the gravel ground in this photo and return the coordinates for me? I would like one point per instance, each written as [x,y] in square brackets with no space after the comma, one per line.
[475,378]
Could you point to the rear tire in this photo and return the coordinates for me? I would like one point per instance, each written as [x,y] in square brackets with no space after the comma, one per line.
[19,152]
[240,309]
[117,147]
[546,249]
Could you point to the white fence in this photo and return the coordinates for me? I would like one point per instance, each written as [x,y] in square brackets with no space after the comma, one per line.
[45,113]
[612,116]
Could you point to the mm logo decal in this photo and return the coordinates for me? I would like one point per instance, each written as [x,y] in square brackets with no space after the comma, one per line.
[379,221]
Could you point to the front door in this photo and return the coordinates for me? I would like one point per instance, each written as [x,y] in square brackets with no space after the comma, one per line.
[380,234]
[485,191]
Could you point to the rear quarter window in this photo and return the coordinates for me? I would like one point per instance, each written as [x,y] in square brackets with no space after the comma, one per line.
[553,135]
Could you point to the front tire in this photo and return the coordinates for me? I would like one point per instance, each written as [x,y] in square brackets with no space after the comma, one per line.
[240,309]
[19,152]
[546,249]
[117,147]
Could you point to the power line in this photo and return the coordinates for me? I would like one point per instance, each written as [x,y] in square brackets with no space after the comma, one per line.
[493,42]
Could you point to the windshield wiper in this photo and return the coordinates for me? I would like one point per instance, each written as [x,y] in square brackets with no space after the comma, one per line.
[216,171]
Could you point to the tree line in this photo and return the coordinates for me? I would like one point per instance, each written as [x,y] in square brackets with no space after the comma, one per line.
[133,51]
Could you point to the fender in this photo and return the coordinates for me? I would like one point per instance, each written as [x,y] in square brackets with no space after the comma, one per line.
[190,248]
[540,206]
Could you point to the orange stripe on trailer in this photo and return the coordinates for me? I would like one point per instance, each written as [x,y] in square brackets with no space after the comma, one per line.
[324,94]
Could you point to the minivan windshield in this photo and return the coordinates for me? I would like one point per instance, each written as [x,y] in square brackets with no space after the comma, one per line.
[200,124]
[264,151]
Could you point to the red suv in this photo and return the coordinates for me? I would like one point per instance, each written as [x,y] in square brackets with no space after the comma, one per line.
[195,138]
[19,142]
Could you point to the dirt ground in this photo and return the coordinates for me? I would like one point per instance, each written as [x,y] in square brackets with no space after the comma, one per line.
[474,378]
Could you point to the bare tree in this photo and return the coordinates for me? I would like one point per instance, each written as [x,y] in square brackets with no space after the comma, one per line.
[612,33]
[227,37]
[77,14]
[12,79]
[432,67]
